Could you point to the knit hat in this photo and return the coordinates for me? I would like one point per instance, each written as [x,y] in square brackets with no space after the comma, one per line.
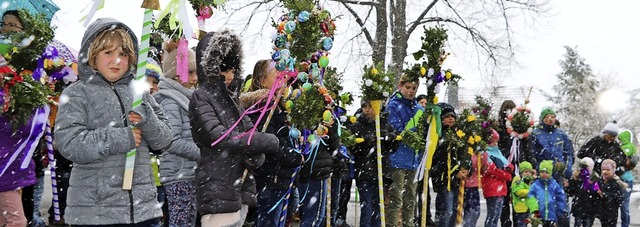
[447,110]
[588,162]
[611,128]
[525,166]
[545,112]
[546,165]
[153,70]
[169,63]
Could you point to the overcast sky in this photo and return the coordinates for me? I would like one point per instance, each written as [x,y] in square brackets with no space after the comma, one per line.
[604,32]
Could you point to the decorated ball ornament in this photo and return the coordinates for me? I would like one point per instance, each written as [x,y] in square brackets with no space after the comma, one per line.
[323,61]
[303,16]
[303,77]
[519,122]
[275,56]
[289,27]
[327,43]
[307,86]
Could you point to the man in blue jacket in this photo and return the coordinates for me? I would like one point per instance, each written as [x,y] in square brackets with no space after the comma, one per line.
[551,143]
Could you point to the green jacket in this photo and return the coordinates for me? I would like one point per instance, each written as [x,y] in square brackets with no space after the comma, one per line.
[522,202]
[626,145]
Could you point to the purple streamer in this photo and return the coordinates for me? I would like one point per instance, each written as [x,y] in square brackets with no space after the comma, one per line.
[54,182]
[27,147]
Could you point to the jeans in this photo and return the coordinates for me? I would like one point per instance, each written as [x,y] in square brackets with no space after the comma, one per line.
[369,202]
[418,213]
[340,195]
[519,219]
[402,197]
[624,208]
[494,209]
[38,189]
[313,196]
[471,207]
[563,221]
[446,204]
[269,199]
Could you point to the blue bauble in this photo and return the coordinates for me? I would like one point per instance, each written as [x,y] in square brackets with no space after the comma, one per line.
[327,43]
[276,56]
[294,133]
[289,27]
[303,16]
[281,41]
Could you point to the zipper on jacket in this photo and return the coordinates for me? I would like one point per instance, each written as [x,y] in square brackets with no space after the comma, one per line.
[124,120]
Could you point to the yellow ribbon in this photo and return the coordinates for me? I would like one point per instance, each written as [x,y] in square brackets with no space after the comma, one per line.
[173,7]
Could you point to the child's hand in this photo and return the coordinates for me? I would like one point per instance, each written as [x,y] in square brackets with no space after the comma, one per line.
[137,136]
[600,193]
[134,118]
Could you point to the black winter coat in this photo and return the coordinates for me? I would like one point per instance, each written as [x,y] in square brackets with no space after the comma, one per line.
[439,171]
[612,197]
[365,156]
[585,199]
[212,111]
[599,149]
[320,165]
[276,171]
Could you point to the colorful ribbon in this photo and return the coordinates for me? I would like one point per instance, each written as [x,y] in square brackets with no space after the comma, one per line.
[513,154]
[182,60]
[97,4]
[52,168]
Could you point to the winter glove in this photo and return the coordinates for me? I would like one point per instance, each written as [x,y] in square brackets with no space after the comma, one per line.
[253,162]
[559,167]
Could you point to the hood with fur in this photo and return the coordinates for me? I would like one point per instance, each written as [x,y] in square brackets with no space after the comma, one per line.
[213,51]
[247,99]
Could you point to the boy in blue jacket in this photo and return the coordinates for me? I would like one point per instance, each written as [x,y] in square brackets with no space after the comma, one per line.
[550,195]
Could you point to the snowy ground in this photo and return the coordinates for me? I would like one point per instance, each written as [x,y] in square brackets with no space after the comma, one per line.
[351,214]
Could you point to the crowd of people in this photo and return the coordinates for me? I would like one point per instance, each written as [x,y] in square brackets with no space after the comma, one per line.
[181,179]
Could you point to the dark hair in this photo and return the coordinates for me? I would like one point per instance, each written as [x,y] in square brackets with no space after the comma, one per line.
[506,105]
[15,13]
[259,74]
[421,97]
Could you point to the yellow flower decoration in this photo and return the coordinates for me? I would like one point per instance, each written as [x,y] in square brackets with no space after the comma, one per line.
[477,138]
[460,133]
[471,118]
[447,75]
[353,119]
[423,71]
[471,140]
[374,71]
[470,151]
[435,100]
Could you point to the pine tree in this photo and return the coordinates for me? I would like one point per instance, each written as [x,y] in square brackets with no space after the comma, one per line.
[576,97]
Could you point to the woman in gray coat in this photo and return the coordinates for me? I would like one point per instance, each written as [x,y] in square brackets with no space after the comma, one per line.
[93,131]
[178,162]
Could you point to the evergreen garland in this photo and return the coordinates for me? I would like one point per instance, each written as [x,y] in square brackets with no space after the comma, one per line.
[24,95]
[376,84]
[29,44]
[306,110]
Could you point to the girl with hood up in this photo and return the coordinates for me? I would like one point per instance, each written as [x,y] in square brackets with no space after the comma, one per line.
[93,131]
[224,193]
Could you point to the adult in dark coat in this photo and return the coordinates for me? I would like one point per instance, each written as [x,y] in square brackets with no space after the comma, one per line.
[604,146]
[223,191]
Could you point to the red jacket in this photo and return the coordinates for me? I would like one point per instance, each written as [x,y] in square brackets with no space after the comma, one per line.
[494,179]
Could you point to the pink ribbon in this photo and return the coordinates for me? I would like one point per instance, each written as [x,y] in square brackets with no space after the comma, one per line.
[280,80]
[182,60]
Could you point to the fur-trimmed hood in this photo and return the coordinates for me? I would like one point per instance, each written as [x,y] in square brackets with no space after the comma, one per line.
[211,52]
[247,99]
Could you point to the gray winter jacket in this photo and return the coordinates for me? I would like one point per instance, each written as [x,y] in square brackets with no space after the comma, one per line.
[93,132]
[178,162]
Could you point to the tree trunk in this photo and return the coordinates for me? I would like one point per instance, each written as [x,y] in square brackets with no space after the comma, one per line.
[399,36]
[380,47]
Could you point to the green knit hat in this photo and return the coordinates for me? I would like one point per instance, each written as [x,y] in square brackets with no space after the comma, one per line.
[525,166]
[546,165]
[545,112]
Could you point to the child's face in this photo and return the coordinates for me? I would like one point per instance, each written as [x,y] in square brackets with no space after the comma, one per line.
[112,62]
[526,173]
[192,81]
[607,172]
[408,90]
[154,84]
[228,76]
[449,120]
[545,175]
[423,103]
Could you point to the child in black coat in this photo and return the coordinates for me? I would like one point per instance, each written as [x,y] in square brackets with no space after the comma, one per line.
[611,193]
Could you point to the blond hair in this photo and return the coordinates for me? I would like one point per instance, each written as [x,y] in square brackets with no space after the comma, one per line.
[404,78]
[260,72]
[107,39]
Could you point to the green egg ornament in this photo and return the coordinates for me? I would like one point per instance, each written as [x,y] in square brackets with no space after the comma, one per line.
[326,116]
[307,86]
[288,105]
[311,138]
[289,27]
[323,62]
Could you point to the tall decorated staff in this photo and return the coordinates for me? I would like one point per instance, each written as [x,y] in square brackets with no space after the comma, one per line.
[482,109]
[519,124]
[149,6]
[377,86]
[432,55]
